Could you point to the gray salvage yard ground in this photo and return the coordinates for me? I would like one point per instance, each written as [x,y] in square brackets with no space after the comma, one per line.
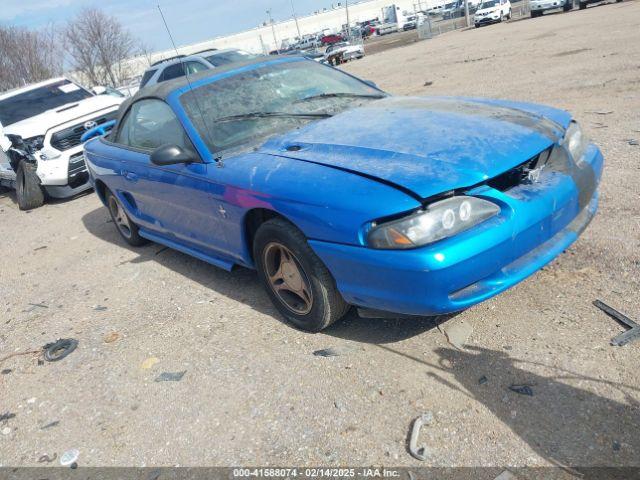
[254,393]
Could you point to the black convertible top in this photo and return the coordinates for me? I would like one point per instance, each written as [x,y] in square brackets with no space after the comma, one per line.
[163,89]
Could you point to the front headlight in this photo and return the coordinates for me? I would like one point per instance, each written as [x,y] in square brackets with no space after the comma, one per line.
[575,141]
[439,220]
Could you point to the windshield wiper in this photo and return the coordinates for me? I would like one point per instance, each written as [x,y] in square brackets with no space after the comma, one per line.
[251,115]
[341,95]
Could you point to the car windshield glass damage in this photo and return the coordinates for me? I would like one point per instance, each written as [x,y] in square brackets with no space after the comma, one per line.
[250,106]
[34,102]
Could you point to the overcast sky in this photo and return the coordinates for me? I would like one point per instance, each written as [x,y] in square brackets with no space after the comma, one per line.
[190,20]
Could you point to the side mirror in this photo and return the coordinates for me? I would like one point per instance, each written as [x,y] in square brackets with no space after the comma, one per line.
[99,90]
[173,154]
[371,84]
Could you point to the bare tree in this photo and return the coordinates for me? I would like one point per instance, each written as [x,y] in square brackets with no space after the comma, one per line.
[28,56]
[97,45]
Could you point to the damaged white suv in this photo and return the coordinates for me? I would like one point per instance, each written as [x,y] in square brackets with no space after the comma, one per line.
[45,123]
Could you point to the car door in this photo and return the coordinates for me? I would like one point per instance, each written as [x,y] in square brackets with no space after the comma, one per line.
[178,201]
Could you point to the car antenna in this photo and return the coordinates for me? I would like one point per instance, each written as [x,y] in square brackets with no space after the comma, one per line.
[195,96]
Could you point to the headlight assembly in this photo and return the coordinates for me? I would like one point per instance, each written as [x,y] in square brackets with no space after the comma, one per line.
[575,141]
[439,220]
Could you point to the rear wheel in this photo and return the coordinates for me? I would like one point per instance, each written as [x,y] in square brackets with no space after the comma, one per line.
[126,228]
[29,193]
[298,283]
[568,5]
[582,5]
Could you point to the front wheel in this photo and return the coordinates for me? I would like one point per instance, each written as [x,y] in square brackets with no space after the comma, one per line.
[582,6]
[29,193]
[126,228]
[568,5]
[296,280]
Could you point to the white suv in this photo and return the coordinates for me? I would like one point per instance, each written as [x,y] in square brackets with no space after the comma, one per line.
[48,119]
[539,6]
[491,11]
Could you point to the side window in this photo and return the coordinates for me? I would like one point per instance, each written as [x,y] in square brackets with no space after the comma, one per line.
[147,76]
[194,67]
[172,71]
[149,124]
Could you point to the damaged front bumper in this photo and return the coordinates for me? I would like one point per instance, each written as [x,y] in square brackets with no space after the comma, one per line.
[537,222]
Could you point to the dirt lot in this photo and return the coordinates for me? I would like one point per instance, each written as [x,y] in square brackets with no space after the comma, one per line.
[253,392]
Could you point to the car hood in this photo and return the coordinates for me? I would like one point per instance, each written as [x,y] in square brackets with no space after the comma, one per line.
[485,11]
[40,124]
[426,146]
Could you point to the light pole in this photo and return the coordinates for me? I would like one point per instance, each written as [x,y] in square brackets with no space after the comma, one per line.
[273,30]
[346,6]
[466,12]
[296,19]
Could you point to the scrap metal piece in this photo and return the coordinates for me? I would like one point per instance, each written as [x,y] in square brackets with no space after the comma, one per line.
[419,452]
[625,337]
[170,376]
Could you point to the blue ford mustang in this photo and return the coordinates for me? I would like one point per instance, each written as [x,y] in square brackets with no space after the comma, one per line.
[339,194]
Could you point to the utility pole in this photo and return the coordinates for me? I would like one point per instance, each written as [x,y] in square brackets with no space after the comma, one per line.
[296,19]
[273,30]
[346,6]
[466,12]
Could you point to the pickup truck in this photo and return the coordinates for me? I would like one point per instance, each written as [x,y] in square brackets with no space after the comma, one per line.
[45,122]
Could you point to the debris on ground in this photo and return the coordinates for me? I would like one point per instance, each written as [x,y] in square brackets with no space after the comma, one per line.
[599,125]
[428,83]
[457,332]
[522,389]
[633,141]
[334,351]
[99,308]
[55,423]
[59,349]
[15,354]
[39,248]
[6,371]
[47,459]
[111,337]
[170,376]
[69,458]
[601,112]
[483,379]
[149,362]
[625,337]
[6,431]
[7,416]
[419,452]
[33,306]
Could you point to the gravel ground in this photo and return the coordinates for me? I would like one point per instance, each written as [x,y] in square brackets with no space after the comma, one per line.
[253,392]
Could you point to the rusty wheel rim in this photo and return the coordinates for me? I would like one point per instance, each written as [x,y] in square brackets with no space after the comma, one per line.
[287,279]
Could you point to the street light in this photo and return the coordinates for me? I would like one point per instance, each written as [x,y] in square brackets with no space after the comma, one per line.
[293,10]
[273,30]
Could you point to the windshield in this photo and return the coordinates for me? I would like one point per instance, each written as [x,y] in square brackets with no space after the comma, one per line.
[34,102]
[489,4]
[297,88]
[225,58]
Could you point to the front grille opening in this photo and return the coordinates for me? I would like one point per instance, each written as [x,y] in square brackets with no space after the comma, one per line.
[519,174]
[70,137]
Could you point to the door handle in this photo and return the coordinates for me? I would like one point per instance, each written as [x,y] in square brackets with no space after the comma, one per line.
[132,177]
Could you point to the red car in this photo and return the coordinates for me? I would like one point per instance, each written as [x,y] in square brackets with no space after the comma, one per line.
[331,39]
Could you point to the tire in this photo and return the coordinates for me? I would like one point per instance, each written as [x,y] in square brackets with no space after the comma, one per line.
[28,189]
[568,6]
[282,254]
[582,6]
[128,230]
